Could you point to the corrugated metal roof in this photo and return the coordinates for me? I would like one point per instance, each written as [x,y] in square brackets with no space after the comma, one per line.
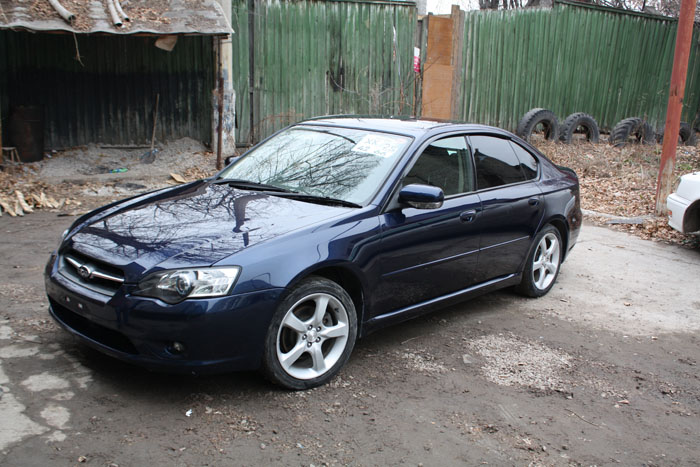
[158,17]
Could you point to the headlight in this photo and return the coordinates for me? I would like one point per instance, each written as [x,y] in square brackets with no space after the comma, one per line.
[176,285]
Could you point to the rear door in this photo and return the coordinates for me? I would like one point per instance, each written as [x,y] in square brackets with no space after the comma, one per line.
[511,201]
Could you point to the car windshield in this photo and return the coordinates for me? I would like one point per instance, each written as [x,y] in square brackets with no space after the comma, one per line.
[330,162]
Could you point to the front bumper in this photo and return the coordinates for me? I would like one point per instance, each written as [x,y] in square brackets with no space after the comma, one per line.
[214,335]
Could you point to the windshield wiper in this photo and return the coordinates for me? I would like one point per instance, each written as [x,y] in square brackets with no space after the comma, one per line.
[318,199]
[285,192]
[248,185]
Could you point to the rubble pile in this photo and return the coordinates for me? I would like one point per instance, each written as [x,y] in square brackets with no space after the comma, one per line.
[22,193]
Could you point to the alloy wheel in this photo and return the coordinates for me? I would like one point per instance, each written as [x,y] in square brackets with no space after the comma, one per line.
[312,336]
[546,261]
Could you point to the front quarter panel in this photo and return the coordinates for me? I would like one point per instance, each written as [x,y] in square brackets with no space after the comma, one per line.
[350,243]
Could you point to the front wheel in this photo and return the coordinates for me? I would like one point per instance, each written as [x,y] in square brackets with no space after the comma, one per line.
[311,335]
[543,263]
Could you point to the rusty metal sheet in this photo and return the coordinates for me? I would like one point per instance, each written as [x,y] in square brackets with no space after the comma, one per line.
[160,17]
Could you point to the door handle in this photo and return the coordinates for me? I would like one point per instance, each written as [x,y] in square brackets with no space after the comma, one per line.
[533,201]
[468,216]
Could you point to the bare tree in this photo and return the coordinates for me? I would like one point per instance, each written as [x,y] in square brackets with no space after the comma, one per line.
[658,7]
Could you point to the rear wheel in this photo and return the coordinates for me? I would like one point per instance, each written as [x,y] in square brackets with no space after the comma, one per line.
[543,263]
[311,335]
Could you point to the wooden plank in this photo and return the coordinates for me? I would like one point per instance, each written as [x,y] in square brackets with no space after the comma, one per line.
[437,91]
[439,41]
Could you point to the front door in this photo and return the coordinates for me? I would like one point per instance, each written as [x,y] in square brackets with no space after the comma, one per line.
[427,253]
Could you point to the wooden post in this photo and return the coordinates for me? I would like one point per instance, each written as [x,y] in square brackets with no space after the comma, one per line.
[684,37]
[220,106]
[457,67]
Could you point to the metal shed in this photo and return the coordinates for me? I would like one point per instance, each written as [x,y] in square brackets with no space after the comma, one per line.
[89,81]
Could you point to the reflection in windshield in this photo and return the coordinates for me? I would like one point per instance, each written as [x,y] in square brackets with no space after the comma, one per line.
[337,163]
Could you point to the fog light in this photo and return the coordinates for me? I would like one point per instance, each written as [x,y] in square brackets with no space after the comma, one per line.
[176,348]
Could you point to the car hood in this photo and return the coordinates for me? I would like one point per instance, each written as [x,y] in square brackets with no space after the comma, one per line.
[197,225]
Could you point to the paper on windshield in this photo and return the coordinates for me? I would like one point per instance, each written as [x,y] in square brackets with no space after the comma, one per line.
[378,145]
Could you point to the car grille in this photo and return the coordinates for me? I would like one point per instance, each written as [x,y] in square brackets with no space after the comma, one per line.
[105,336]
[90,273]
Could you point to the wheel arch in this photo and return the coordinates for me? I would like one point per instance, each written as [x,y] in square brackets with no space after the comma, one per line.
[345,277]
[560,224]
[691,217]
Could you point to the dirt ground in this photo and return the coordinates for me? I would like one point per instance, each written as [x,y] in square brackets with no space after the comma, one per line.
[601,371]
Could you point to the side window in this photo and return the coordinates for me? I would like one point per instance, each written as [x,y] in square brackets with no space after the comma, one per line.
[528,162]
[496,163]
[445,164]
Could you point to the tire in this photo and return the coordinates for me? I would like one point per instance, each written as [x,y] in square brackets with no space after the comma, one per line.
[543,263]
[296,357]
[687,134]
[535,117]
[574,121]
[632,127]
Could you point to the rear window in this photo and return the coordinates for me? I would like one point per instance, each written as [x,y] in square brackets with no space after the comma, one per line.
[528,162]
[495,161]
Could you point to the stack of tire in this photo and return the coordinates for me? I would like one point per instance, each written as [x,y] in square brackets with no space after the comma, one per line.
[553,131]
[632,129]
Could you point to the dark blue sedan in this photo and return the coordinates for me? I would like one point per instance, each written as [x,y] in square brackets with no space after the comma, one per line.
[326,231]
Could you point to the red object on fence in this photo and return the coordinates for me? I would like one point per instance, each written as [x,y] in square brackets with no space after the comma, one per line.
[416,59]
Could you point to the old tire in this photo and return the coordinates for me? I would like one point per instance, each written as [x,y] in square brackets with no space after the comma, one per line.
[633,127]
[687,134]
[579,120]
[535,117]
[543,263]
[311,335]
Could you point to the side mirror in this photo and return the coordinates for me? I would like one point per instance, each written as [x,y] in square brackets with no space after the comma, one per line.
[421,196]
[230,159]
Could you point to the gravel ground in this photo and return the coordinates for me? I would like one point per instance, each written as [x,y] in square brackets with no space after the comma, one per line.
[601,371]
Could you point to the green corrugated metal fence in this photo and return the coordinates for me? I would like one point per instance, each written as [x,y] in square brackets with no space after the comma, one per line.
[318,58]
[569,59]
[110,97]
